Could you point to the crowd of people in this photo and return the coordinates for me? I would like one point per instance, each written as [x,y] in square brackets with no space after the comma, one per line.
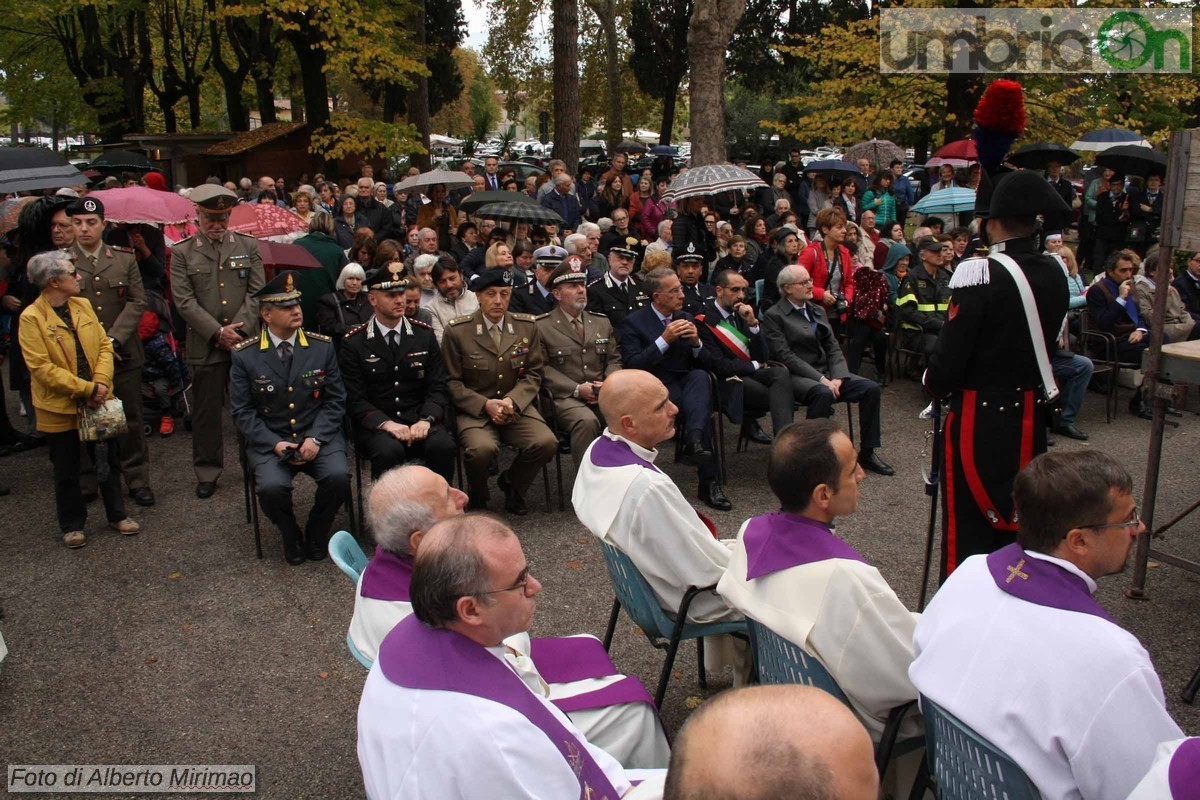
[431,338]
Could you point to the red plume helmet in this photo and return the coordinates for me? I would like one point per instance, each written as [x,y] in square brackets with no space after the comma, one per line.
[999,121]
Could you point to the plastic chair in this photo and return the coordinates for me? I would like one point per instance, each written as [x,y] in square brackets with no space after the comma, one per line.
[635,595]
[354,651]
[965,765]
[758,293]
[778,661]
[345,552]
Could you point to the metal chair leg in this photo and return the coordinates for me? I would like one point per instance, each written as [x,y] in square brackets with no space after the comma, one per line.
[250,487]
[700,661]
[661,691]
[546,488]
[562,506]
[612,624]
[1189,694]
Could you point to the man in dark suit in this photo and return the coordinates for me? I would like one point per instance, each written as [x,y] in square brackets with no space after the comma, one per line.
[618,293]
[1145,212]
[799,335]
[689,265]
[395,380]
[288,401]
[663,340]
[749,386]
[535,297]
[564,203]
[1188,285]
[1061,186]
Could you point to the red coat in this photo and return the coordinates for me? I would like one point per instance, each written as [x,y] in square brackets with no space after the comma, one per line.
[812,258]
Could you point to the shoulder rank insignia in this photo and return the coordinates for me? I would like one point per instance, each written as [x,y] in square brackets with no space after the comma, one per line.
[525,317]
[598,314]
[357,329]
[542,316]
[460,320]
[320,337]
[120,249]
[420,324]
[183,241]
[242,345]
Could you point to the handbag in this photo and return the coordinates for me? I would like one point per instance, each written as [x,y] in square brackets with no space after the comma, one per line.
[1138,232]
[103,423]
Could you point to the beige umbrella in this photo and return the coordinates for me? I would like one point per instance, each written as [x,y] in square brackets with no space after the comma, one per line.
[879,152]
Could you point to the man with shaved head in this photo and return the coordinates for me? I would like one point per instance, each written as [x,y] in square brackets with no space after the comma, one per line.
[768,742]
[611,710]
[628,502]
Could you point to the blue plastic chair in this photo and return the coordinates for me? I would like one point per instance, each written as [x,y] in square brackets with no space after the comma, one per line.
[634,594]
[758,295]
[354,651]
[346,553]
[967,766]
[778,661]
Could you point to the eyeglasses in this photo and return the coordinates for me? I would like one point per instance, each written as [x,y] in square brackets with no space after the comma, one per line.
[808,282]
[1135,522]
[710,222]
[522,584]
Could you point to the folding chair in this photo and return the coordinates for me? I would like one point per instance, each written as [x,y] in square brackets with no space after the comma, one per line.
[635,595]
[899,349]
[345,552]
[964,765]
[1101,348]
[778,661]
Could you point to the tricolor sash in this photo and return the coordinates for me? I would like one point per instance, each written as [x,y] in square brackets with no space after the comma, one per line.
[388,577]
[736,342]
[1035,580]
[418,657]
[779,541]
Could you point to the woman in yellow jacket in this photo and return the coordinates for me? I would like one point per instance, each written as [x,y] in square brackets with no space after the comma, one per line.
[70,360]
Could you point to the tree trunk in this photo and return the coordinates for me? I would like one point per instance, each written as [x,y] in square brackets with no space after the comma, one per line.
[194,107]
[713,22]
[565,53]
[962,95]
[668,115]
[264,92]
[313,81]
[614,122]
[418,98]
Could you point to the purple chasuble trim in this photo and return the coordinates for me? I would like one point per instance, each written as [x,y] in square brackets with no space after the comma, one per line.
[608,452]
[779,541]
[1183,775]
[576,658]
[1041,582]
[418,657]
[388,577]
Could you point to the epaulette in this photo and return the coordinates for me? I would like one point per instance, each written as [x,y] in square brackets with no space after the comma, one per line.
[418,323]
[598,314]
[525,317]
[542,316]
[120,249]
[246,343]
[244,235]
[320,337]
[593,283]
[972,272]
[358,329]
[460,320]
[184,239]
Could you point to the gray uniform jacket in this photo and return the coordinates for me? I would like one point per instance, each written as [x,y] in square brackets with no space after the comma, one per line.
[114,287]
[570,360]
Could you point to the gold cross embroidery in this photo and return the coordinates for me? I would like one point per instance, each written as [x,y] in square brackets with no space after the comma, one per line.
[1015,572]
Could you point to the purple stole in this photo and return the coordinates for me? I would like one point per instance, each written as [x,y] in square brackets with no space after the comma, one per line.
[779,540]
[1183,774]
[608,452]
[1041,582]
[418,657]
[558,660]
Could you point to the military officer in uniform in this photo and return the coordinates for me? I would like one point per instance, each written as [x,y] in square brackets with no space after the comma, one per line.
[689,266]
[986,362]
[214,276]
[396,382]
[536,297]
[110,279]
[618,293]
[288,401]
[494,361]
[581,351]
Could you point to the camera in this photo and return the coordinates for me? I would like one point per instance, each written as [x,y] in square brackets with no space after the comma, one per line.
[841,305]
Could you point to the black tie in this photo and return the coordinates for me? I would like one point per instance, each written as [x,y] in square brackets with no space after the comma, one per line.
[395,341]
[285,355]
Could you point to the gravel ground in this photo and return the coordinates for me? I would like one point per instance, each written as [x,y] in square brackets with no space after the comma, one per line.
[179,647]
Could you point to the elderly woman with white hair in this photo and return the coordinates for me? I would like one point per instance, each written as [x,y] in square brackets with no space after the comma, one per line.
[423,271]
[70,361]
[346,307]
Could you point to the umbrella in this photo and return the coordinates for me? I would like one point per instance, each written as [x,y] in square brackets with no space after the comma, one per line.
[450,179]
[518,211]
[1106,138]
[286,256]
[831,166]
[123,161]
[1132,159]
[711,179]
[663,150]
[144,205]
[476,200]
[946,201]
[26,169]
[962,148]
[879,152]
[628,146]
[261,220]
[938,161]
[10,212]
[1035,156]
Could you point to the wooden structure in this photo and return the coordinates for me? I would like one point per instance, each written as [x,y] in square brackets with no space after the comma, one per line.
[278,149]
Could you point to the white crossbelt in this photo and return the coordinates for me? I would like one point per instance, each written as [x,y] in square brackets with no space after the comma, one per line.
[1033,321]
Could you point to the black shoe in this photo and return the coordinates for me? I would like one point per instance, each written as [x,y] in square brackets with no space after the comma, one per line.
[713,496]
[564,445]
[90,497]
[1144,413]
[206,489]
[1050,441]
[754,432]
[1070,431]
[143,496]
[316,550]
[293,552]
[870,461]
[5,491]
[695,453]
[513,502]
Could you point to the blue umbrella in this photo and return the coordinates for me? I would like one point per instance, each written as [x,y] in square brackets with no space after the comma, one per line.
[946,201]
[831,166]
[1106,138]
[663,150]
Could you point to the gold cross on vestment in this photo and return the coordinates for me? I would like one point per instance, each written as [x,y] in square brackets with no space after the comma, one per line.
[1015,572]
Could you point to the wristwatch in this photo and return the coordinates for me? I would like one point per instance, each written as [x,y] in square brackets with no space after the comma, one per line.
[317,441]
[428,419]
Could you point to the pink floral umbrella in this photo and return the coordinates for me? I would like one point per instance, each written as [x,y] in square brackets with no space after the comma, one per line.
[140,204]
[263,221]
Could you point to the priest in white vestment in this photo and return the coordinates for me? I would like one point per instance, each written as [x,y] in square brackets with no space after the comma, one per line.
[790,573]
[628,502]
[444,714]
[612,710]
[1016,647]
